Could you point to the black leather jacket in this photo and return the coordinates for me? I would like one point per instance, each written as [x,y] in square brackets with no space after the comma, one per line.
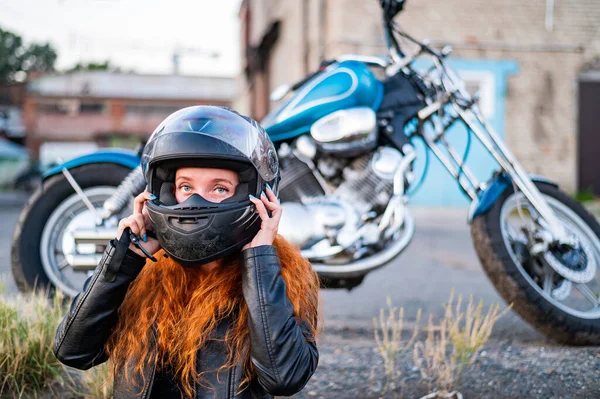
[284,359]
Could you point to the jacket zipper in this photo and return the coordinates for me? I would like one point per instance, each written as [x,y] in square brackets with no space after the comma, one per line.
[230,390]
[150,382]
[148,387]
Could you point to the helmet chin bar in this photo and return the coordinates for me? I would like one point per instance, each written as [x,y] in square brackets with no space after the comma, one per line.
[195,236]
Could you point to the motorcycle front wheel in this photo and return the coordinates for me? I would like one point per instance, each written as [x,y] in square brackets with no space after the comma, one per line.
[564,310]
[42,240]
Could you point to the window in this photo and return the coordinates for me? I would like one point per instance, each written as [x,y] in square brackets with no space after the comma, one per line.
[91,107]
[58,107]
[152,109]
[71,107]
[483,84]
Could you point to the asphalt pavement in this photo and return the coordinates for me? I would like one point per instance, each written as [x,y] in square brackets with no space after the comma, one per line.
[440,258]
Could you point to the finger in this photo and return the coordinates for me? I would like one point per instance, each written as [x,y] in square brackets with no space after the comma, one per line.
[140,200]
[123,224]
[147,221]
[139,220]
[270,205]
[135,228]
[271,195]
[260,208]
[276,216]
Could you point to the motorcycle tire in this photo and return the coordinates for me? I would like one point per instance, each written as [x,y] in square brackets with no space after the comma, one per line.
[26,263]
[511,284]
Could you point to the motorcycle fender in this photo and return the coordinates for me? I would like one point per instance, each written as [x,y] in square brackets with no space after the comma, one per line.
[494,190]
[122,157]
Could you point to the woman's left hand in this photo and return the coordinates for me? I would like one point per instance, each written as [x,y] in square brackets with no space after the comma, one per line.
[270,224]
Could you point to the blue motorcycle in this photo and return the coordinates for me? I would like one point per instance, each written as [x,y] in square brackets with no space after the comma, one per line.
[345,141]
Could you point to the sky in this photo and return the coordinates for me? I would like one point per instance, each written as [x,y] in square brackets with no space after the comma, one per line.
[138,35]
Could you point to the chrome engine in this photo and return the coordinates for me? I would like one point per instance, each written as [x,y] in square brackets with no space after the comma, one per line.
[343,198]
[334,207]
[368,180]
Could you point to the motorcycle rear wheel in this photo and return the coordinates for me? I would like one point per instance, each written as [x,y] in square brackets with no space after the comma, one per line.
[550,303]
[27,255]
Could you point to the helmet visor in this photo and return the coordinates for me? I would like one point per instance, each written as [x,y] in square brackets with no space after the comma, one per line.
[224,125]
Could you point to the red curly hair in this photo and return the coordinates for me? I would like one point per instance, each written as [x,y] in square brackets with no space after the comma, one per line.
[186,304]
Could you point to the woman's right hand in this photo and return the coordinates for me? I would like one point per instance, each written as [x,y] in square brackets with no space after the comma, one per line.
[138,223]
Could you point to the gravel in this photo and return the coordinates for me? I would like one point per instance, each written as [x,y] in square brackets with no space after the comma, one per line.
[351,367]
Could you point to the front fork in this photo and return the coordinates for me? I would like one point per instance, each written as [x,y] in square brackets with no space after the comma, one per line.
[475,121]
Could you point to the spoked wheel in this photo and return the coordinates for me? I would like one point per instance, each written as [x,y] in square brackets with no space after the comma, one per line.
[58,248]
[44,249]
[565,305]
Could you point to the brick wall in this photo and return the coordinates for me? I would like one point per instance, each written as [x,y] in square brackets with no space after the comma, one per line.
[541,109]
[123,117]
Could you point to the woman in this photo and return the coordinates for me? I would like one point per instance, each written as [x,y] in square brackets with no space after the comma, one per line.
[229,309]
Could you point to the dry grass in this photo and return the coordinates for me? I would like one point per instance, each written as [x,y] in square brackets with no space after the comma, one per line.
[388,338]
[95,383]
[27,327]
[28,367]
[453,344]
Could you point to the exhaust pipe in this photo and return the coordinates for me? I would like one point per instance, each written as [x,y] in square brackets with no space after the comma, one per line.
[99,236]
[84,263]
[363,266]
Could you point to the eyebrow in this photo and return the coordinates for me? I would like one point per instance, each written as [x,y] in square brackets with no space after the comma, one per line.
[215,180]
[183,177]
[222,180]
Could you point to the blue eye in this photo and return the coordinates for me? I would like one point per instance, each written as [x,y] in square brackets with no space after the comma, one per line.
[185,188]
[221,190]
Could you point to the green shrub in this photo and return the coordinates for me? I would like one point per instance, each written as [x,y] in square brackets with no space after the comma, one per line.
[586,195]
[28,367]
[27,328]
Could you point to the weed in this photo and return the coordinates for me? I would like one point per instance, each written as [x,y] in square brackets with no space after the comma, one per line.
[453,344]
[28,367]
[388,338]
[94,383]
[27,328]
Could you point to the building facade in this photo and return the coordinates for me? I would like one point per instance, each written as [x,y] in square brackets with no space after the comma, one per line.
[529,61]
[88,109]
[12,96]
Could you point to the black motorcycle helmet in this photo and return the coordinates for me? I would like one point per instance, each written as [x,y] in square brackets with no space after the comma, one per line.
[197,231]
